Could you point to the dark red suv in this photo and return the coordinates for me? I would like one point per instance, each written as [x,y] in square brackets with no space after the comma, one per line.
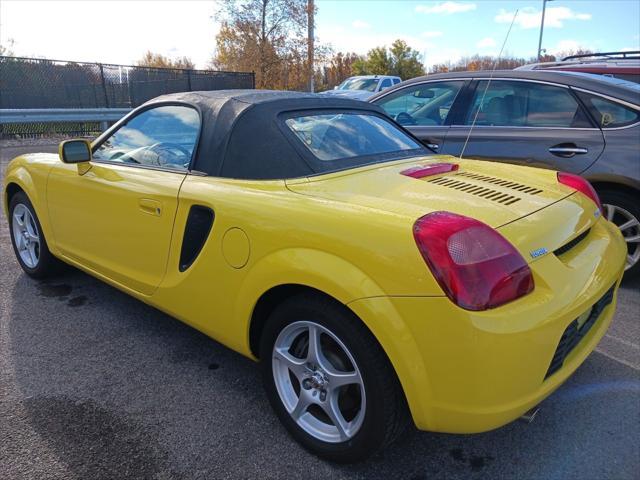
[623,65]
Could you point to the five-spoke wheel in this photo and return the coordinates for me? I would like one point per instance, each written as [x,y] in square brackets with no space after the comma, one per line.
[25,235]
[328,379]
[28,240]
[318,381]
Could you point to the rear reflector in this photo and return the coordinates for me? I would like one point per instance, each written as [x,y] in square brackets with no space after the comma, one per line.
[581,185]
[476,267]
[428,170]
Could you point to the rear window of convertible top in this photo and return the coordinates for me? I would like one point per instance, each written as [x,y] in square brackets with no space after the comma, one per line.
[332,137]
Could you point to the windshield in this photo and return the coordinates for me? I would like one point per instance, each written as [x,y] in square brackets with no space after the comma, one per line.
[368,84]
[345,140]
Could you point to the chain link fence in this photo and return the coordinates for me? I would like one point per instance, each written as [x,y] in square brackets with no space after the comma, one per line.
[38,83]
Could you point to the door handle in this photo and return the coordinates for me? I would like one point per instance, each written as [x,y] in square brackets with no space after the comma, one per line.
[431,143]
[567,150]
[150,206]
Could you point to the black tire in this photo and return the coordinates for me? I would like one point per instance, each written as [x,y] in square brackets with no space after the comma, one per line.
[629,203]
[386,414]
[47,265]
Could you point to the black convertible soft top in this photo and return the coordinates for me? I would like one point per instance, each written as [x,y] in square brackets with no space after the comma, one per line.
[242,136]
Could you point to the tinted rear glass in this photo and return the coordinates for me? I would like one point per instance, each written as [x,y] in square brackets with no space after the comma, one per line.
[346,136]
[368,84]
[609,114]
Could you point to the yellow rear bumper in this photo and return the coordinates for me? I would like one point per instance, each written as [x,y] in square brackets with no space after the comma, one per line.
[468,372]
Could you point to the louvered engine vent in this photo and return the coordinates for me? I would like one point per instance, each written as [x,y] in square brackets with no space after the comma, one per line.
[451,181]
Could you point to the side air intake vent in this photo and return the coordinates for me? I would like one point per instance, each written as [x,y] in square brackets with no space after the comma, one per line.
[196,231]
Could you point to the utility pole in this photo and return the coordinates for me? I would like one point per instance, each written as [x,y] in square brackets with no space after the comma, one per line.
[310,15]
[544,7]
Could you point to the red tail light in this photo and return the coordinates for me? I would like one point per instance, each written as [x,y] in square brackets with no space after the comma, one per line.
[476,266]
[581,185]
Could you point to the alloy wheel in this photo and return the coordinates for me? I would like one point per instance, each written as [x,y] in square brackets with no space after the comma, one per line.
[629,225]
[319,382]
[26,236]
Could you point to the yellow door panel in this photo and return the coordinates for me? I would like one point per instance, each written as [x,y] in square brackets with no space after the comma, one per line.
[115,219]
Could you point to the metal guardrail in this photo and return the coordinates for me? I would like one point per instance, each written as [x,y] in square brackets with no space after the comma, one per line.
[61,115]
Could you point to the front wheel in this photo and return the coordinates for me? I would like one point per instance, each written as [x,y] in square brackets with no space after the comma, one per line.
[329,381]
[623,210]
[27,238]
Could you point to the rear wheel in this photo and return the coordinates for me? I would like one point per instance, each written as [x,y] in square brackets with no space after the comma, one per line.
[623,210]
[28,240]
[329,381]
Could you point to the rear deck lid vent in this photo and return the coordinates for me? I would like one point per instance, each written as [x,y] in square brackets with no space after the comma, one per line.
[477,190]
[500,182]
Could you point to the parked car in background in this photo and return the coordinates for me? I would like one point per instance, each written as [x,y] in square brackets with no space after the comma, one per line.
[364,86]
[573,122]
[623,65]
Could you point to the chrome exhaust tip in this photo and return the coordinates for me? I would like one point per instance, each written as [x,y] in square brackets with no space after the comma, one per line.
[530,416]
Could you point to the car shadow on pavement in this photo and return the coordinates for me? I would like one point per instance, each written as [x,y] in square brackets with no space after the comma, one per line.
[117,389]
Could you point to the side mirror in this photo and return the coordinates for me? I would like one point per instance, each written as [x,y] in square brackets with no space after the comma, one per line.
[75,151]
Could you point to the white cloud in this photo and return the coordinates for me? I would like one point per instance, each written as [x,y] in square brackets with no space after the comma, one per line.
[84,31]
[431,34]
[361,41]
[447,7]
[530,17]
[360,24]
[486,43]
[442,56]
[565,46]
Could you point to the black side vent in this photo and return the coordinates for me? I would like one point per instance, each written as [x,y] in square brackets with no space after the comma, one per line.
[196,231]
[574,333]
[572,243]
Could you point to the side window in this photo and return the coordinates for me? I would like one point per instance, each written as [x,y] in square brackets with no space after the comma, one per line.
[609,114]
[396,81]
[160,137]
[525,104]
[386,83]
[425,104]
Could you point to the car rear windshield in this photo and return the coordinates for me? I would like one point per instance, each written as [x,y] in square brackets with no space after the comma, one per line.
[368,84]
[346,140]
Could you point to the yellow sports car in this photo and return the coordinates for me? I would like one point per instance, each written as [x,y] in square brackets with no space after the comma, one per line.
[376,283]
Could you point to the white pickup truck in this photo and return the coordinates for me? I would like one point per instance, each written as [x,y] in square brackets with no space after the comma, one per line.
[364,86]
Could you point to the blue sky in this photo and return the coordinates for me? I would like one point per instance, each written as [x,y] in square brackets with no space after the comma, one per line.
[121,31]
[448,30]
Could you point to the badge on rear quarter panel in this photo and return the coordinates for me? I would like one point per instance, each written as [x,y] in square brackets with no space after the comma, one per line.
[538,252]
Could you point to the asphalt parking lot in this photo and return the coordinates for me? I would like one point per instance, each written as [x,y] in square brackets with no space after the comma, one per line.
[97,385]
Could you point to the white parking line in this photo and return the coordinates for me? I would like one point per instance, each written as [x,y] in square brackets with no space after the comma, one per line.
[619,360]
[624,342]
